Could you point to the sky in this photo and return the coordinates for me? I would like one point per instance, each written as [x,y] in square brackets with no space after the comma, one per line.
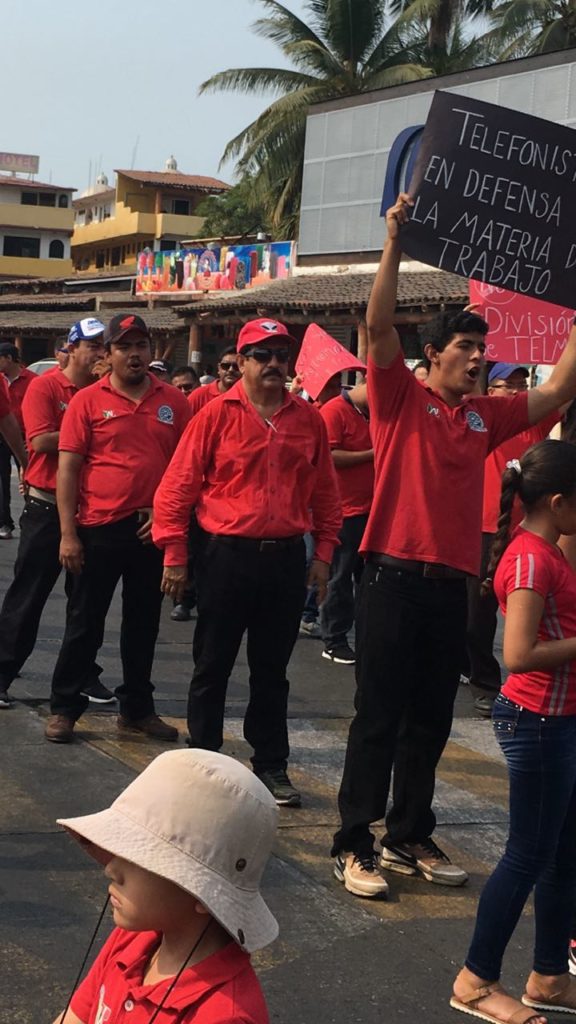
[114,84]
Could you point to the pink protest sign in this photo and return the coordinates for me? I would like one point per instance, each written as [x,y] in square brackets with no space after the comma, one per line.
[522,330]
[320,357]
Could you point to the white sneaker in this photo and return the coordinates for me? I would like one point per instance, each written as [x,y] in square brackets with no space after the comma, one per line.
[426,859]
[5,533]
[360,875]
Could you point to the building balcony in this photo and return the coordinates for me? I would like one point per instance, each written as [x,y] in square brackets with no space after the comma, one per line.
[176,226]
[21,266]
[36,218]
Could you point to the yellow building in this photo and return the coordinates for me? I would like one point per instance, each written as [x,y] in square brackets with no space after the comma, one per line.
[36,224]
[146,209]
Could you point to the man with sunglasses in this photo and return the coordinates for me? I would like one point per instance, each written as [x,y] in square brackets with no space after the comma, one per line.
[257,468]
[185,379]
[505,380]
[228,376]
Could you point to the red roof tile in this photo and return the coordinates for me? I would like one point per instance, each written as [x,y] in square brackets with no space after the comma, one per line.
[29,183]
[176,180]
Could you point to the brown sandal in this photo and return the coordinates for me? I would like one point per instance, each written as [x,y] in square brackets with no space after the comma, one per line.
[470,1004]
[554,1000]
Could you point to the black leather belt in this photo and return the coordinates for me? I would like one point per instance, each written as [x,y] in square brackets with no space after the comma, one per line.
[431,570]
[255,543]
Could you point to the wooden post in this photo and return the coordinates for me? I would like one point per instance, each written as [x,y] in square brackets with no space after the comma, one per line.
[195,346]
[362,341]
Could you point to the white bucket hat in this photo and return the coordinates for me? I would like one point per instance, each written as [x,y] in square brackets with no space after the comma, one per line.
[203,821]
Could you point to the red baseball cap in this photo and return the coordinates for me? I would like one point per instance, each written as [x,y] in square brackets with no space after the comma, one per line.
[262,330]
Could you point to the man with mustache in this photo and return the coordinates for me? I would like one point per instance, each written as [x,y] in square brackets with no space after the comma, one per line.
[256,466]
[116,439]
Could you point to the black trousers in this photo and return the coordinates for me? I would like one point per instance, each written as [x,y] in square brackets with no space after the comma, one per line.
[111,552]
[410,636]
[337,611]
[262,592]
[36,569]
[485,672]
[5,479]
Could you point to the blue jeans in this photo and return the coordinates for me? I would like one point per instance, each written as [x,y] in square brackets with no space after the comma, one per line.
[541,849]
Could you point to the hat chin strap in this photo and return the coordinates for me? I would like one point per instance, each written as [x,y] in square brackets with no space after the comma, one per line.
[177,976]
[83,964]
[170,988]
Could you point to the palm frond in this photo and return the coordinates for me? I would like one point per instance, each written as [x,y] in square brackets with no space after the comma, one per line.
[250,80]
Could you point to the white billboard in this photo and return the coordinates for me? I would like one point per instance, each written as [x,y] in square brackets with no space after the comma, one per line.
[23,163]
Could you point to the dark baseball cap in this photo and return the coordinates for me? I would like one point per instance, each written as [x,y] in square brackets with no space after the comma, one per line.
[8,349]
[121,324]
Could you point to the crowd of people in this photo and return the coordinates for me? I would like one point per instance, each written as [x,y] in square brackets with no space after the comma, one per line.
[403,510]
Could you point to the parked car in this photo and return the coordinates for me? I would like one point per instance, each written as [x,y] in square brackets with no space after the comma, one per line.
[42,365]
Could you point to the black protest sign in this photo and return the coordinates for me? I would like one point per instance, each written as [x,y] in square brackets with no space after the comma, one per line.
[495,198]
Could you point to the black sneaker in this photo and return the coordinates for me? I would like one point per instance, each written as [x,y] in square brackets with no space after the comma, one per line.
[6,701]
[277,781]
[426,859]
[180,613]
[483,705]
[342,654]
[97,693]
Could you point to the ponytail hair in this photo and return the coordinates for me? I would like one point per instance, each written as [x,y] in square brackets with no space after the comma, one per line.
[547,468]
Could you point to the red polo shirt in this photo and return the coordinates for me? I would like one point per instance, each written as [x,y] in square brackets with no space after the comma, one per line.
[429,467]
[126,446]
[17,389]
[349,431]
[496,464]
[249,477]
[5,409]
[201,396]
[43,408]
[222,989]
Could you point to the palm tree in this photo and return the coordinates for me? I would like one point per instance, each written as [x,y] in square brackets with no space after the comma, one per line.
[446,43]
[345,49]
[524,27]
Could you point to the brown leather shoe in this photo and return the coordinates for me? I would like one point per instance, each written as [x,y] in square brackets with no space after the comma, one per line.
[150,726]
[59,729]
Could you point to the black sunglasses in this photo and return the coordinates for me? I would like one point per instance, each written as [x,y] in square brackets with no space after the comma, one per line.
[264,355]
[228,366]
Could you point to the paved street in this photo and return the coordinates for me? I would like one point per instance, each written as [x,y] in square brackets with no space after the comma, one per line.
[338,959]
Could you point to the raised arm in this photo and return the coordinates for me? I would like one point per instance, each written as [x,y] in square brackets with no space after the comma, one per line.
[560,386]
[383,339]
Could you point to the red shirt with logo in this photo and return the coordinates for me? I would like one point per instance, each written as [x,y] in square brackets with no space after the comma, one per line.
[222,989]
[250,477]
[496,464]
[429,467]
[43,408]
[17,389]
[349,431]
[5,409]
[532,563]
[126,446]
[201,396]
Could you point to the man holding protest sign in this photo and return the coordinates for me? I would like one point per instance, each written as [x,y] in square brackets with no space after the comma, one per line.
[429,452]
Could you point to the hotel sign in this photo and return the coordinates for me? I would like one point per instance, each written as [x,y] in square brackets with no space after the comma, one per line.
[23,163]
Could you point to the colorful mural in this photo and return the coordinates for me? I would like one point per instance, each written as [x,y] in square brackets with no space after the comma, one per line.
[218,268]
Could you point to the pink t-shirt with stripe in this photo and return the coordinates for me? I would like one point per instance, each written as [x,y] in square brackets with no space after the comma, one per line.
[532,563]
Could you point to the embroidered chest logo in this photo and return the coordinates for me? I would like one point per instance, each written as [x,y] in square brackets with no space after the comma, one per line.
[166,414]
[62,406]
[108,414]
[103,1013]
[475,421]
[433,410]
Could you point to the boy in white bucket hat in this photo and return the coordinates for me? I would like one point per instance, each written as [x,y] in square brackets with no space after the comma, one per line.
[184,849]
